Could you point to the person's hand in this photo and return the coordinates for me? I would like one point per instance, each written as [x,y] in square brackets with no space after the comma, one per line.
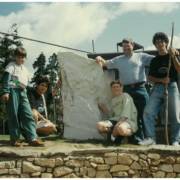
[173,52]
[5,97]
[165,80]
[99,60]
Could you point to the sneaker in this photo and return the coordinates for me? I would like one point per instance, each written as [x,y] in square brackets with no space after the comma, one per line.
[175,143]
[36,143]
[147,141]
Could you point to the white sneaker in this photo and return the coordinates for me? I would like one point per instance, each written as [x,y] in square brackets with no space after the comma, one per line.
[175,143]
[147,141]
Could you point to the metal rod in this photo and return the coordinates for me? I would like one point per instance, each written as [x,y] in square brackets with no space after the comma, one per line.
[43,42]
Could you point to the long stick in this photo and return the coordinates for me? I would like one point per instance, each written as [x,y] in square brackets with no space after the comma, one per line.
[166,91]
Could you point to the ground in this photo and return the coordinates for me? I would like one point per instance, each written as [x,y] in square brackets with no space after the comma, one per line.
[54,144]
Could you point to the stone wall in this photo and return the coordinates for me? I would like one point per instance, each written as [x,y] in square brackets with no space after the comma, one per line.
[104,163]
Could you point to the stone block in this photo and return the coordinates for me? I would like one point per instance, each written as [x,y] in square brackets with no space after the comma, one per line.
[143,156]
[154,156]
[124,159]
[103,167]
[74,163]
[45,162]
[111,160]
[119,167]
[98,160]
[135,166]
[170,175]
[176,168]
[4,171]
[91,172]
[59,162]
[49,170]
[28,167]
[159,174]
[36,174]
[46,175]
[72,175]
[15,171]
[62,171]
[166,168]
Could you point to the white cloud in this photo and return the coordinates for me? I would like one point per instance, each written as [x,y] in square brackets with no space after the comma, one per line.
[70,24]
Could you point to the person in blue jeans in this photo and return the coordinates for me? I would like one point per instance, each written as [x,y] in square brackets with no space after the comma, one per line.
[158,74]
[131,68]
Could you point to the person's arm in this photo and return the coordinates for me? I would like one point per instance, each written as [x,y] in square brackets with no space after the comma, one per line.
[5,87]
[101,61]
[146,59]
[174,56]
[158,80]
[103,108]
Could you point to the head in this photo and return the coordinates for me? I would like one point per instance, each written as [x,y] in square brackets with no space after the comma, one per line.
[42,85]
[127,46]
[20,55]
[116,88]
[160,40]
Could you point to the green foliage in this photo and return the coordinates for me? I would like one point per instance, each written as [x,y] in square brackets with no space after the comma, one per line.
[40,67]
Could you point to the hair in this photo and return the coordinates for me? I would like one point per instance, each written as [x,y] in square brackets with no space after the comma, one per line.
[116,82]
[20,51]
[43,79]
[161,36]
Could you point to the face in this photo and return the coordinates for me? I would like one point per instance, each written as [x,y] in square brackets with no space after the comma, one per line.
[20,59]
[160,45]
[42,88]
[127,48]
[116,89]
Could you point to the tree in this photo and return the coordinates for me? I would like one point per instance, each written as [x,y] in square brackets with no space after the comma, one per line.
[40,66]
[7,46]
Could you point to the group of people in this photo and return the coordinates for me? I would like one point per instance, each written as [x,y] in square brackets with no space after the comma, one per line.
[26,107]
[163,73]
[132,113]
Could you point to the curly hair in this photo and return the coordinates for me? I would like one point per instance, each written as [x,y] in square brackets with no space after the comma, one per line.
[160,36]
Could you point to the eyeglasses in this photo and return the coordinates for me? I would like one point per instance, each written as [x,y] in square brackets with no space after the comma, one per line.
[159,41]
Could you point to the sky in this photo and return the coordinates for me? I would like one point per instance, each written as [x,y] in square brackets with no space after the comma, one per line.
[76,24]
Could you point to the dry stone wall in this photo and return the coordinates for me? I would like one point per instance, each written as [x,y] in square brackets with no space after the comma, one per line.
[94,164]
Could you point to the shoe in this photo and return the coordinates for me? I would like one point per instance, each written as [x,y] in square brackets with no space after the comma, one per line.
[36,143]
[16,143]
[175,143]
[147,141]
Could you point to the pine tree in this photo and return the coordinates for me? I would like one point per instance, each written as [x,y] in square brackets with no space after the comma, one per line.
[7,46]
[40,67]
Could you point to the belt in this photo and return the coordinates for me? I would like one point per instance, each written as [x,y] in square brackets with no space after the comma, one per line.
[135,85]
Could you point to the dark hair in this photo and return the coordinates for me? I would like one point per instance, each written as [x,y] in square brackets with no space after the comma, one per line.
[20,51]
[116,82]
[160,36]
[43,79]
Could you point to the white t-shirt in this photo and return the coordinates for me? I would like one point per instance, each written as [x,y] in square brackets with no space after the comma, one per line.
[18,71]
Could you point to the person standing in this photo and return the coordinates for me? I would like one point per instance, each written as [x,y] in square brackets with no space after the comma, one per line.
[20,119]
[159,75]
[131,68]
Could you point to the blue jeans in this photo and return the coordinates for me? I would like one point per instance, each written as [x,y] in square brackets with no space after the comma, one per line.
[140,98]
[154,105]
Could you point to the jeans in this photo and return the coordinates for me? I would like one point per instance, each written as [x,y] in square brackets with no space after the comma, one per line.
[140,98]
[154,105]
